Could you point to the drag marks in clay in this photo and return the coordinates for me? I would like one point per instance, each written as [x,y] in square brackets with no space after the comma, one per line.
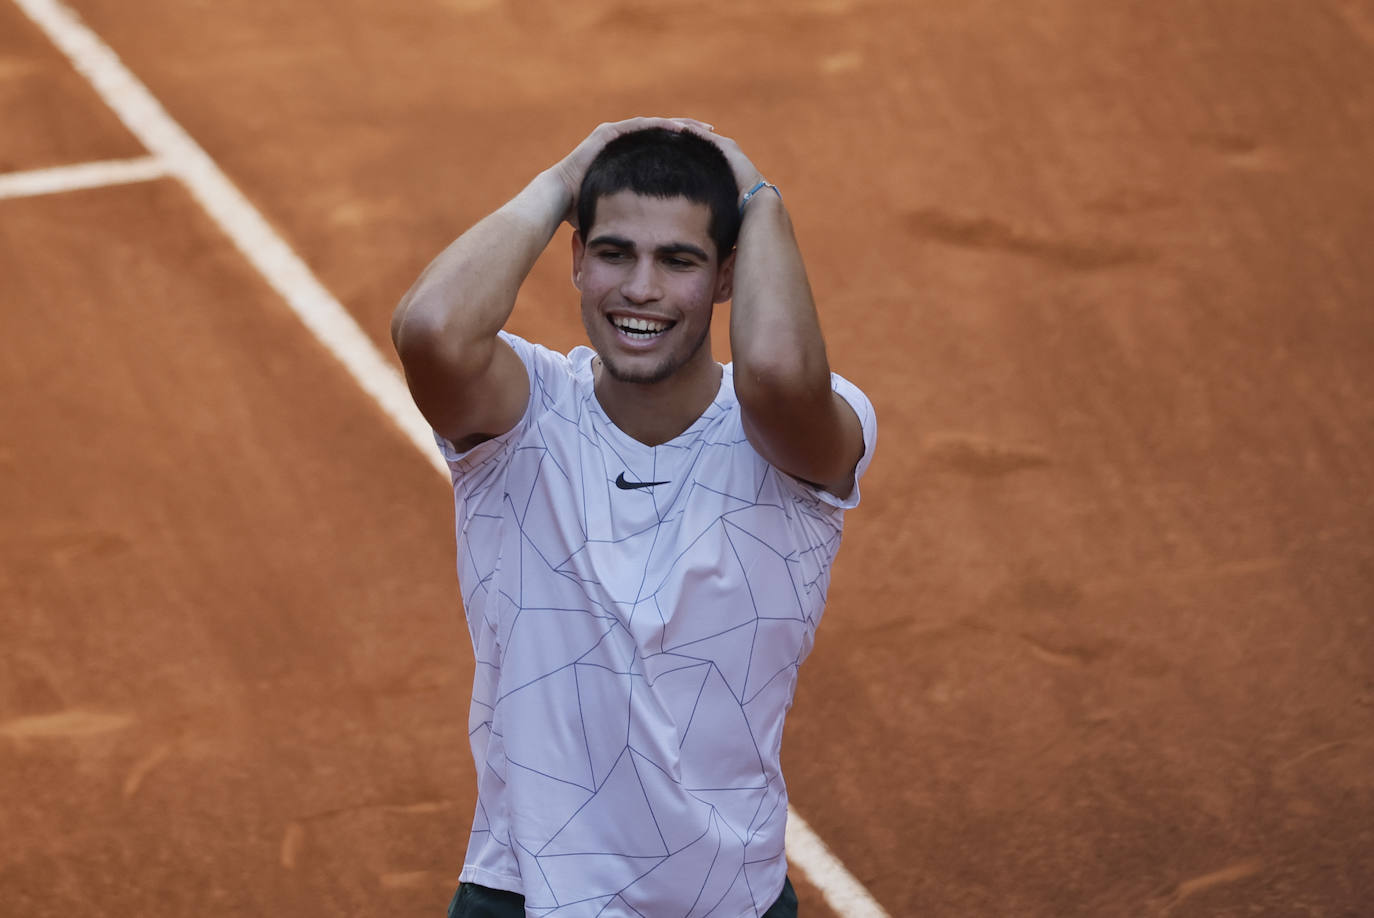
[143,767]
[981,457]
[1241,152]
[296,836]
[1234,873]
[987,234]
[1068,655]
[64,725]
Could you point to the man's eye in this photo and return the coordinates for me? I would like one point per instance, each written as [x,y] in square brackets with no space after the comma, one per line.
[677,262]
[612,255]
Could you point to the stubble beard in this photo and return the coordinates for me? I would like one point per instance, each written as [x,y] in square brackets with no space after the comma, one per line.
[670,364]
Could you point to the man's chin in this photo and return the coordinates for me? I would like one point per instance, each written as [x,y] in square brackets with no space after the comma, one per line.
[635,372]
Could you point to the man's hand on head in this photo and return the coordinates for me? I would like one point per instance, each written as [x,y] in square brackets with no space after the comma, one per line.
[746,173]
[573,167]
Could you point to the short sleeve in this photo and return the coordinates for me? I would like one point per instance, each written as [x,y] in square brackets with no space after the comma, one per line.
[868,420]
[542,366]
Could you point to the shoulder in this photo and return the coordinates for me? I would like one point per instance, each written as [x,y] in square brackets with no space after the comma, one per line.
[862,406]
[853,397]
[537,358]
[848,394]
[551,372]
[554,379]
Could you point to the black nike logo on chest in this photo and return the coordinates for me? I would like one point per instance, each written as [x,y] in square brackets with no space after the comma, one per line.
[624,485]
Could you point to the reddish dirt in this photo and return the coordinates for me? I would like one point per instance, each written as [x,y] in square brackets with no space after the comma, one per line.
[52,116]
[1101,637]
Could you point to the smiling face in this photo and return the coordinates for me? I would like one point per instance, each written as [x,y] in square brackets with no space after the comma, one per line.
[649,277]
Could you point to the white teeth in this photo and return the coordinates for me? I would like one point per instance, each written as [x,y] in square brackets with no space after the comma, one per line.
[639,328]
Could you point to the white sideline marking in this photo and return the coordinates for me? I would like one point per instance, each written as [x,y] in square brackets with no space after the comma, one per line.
[330,323]
[240,220]
[845,895]
[83,175]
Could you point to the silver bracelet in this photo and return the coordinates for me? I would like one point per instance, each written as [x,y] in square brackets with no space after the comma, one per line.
[755,190]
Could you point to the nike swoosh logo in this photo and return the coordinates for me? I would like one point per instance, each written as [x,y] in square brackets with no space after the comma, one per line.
[624,485]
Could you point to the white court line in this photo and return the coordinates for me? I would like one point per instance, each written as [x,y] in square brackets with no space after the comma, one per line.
[82,175]
[331,323]
[845,895]
[240,220]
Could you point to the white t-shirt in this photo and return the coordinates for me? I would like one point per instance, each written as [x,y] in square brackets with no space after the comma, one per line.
[638,615]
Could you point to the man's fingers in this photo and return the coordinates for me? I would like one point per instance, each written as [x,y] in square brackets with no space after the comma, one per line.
[574,166]
[634,124]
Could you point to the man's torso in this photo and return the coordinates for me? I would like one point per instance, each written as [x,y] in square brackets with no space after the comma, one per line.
[638,614]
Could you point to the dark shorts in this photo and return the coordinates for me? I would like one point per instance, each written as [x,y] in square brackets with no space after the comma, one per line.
[473,901]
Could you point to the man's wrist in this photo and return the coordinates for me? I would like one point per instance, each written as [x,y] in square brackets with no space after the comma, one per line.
[754,189]
[546,199]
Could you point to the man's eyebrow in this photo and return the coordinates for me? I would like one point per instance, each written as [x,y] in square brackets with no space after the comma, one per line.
[671,248]
[682,248]
[619,242]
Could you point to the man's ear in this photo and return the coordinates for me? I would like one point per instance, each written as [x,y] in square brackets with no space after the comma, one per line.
[578,250]
[725,279]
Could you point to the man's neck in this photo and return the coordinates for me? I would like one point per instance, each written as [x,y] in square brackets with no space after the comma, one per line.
[654,413]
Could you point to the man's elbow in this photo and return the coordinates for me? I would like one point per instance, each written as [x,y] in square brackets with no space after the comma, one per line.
[398,318]
[787,380]
[409,319]
[415,332]
[426,342]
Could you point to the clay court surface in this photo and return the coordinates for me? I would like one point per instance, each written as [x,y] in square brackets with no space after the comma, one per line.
[1101,635]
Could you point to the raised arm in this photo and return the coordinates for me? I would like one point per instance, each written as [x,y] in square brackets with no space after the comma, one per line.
[469,384]
[782,377]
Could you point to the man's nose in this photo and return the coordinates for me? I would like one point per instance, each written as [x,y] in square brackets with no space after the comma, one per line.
[641,285]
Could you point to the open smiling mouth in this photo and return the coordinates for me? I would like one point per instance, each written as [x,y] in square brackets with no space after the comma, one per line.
[640,329]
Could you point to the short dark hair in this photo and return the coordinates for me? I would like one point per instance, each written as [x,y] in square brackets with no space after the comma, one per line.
[662,163]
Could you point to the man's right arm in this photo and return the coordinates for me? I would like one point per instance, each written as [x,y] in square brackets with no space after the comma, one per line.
[467,382]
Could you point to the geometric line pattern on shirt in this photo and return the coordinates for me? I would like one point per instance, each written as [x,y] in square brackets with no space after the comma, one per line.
[637,651]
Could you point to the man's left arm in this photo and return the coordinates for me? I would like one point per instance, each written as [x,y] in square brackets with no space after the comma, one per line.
[782,377]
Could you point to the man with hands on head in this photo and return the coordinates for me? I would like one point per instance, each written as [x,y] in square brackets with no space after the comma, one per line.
[644,535]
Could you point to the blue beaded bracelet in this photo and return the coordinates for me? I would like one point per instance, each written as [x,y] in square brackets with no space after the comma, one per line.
[755,190]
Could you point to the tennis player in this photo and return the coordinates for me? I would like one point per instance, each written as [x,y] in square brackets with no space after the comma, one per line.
[645,535]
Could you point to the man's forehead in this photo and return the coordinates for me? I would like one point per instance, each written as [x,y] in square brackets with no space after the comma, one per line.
[651,221]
